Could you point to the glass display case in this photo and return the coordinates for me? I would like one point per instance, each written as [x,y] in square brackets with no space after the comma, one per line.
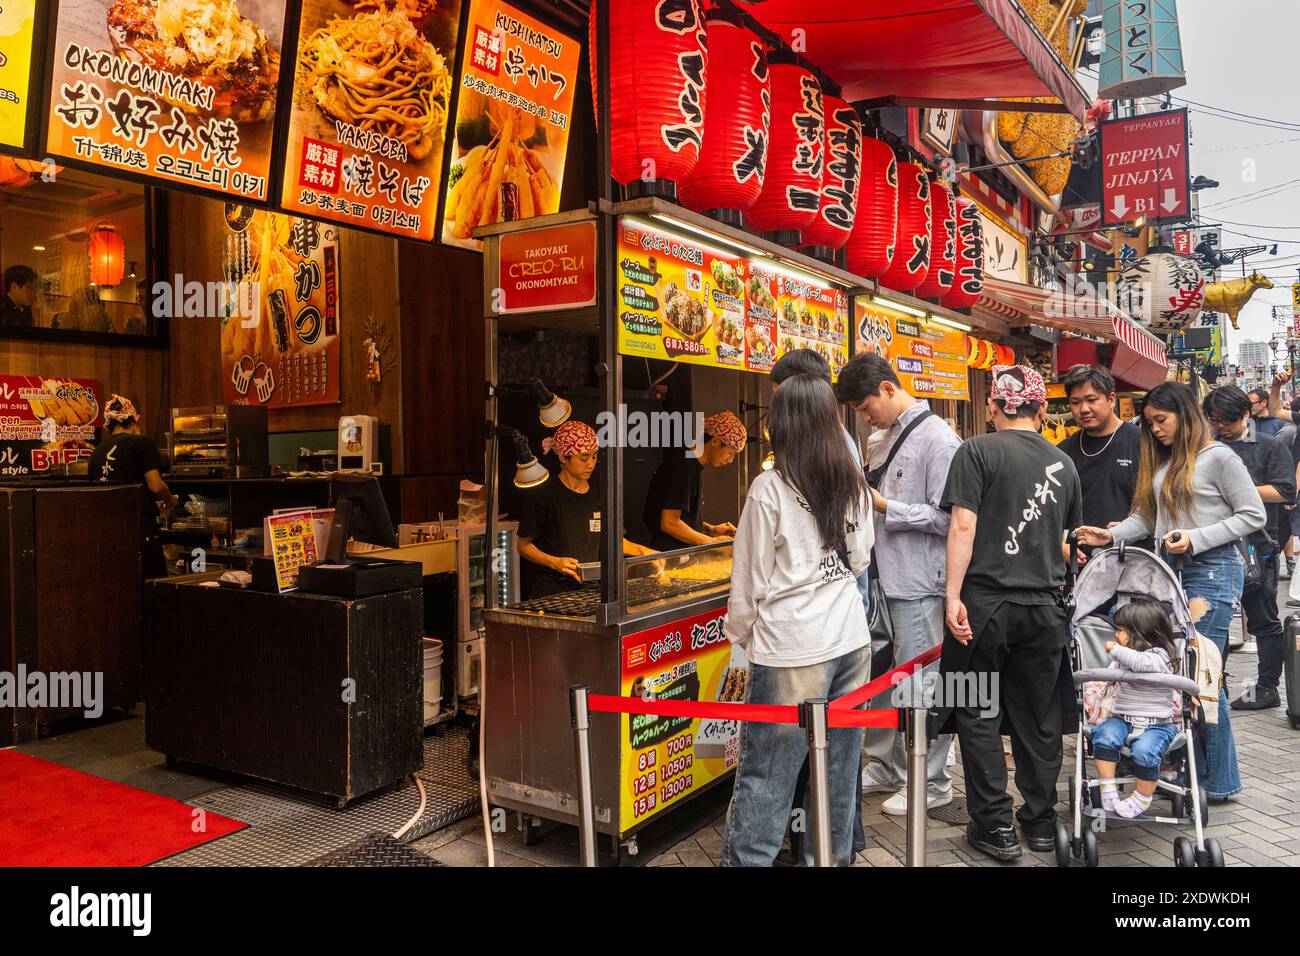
[219,441]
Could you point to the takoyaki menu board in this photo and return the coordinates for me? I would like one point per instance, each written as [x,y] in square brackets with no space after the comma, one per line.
[666,758]
[680,299]
[182,91]
[280,321]
[46,422]
[930,359]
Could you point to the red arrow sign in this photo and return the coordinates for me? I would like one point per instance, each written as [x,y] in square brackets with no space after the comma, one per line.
[1144,168]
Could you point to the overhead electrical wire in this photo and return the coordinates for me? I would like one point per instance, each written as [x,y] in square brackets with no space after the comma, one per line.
[1266,192]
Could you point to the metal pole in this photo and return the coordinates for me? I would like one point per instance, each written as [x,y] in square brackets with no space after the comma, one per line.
[581,718]
[817,728]
[918,750]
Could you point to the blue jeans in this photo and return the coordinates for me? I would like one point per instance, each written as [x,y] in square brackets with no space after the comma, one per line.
[1145,752]
[1216,577]
[771,755]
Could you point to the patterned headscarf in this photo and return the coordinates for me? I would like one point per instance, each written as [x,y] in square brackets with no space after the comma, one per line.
[1011,391]
[119,409]
[726,428]
[571,438]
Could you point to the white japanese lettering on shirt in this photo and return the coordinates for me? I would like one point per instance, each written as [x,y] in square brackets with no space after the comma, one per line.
[1033,510]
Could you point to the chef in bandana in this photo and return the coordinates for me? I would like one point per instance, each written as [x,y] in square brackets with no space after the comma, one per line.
[127,457]
[560,527]
[674,503]
[1011,495]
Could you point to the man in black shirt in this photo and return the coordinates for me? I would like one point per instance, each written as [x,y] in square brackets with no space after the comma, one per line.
[674,501]
[1012,495]
[127,457]
[1105,450]
[18,297]
[1272,469]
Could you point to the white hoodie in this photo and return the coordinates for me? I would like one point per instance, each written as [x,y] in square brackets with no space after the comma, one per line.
[793,603]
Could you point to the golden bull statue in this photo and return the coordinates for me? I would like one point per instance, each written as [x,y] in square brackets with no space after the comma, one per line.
[1231,296]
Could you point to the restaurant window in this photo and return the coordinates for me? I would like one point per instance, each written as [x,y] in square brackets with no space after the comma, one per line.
[73,252]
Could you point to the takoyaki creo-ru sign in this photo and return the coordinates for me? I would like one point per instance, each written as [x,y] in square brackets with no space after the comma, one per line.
[46,422]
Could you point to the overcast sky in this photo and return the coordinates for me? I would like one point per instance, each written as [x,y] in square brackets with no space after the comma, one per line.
[1243,55]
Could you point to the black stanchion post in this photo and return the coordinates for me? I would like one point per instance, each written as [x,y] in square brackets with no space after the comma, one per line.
[581,717]
[918,750]
[817,728]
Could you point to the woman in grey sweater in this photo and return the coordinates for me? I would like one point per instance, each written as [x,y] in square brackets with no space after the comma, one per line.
[1196,495]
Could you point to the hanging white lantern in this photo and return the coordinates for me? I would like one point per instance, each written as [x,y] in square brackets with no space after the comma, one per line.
[1163,291]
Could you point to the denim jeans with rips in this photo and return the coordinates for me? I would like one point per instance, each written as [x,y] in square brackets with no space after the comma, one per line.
[771,755]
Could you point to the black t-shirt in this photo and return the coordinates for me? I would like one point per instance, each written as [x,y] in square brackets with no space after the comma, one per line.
[1108,469]
[125,459]
[563,524]
[1269,463]
[13,314]
[675,487]
[1026,493]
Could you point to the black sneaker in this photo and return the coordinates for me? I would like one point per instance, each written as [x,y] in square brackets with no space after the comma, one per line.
[1256,698]
[1001,844]
[1041,837]
[1292,602]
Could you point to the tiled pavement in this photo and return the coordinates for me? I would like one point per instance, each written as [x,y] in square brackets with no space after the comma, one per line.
[1260,827]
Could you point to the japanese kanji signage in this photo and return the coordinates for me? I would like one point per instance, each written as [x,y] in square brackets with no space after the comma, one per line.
[368,121]
[46,422]
[1143,55]
[1006,251]
[931,359]
[1144,168]
[513,108]
[17,19]
[939,128]
[280,336]
[168,102]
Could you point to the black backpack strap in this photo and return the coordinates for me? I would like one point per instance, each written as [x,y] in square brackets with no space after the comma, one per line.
[875,474]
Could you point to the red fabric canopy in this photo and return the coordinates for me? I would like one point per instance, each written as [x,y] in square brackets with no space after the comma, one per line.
[932,49]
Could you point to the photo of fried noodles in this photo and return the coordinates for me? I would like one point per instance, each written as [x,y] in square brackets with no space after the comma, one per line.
[378,72]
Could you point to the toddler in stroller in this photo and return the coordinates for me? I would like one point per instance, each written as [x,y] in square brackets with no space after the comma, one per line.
[1144,643]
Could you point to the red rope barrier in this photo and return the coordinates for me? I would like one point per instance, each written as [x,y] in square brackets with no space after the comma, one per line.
[756,713]
[885,681]
[863,718]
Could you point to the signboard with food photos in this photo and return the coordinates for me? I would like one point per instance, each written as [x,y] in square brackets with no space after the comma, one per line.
[665,759]
[17,34]
[930,359]
[685,301]
[513,108]
[46,422]
[280,326]
[368,116]
[182,91]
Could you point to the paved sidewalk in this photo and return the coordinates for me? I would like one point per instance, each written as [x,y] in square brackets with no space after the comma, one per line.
[1259,827]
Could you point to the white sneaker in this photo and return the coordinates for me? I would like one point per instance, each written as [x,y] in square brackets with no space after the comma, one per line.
[896,806]
[872,782]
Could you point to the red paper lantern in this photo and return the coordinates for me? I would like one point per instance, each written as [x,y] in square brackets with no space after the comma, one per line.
[658,67]
[729,175]
[841,180]
[912,250]
[870,249]
[943,243]
[968,281]
[792,187]
[107,256]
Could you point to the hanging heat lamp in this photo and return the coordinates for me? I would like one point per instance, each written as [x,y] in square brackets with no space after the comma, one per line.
[107,256]
[870,248]
[733,157]
[792,186]
[658,68]
[943,243]
[841,180]
[968,279]
[912,249]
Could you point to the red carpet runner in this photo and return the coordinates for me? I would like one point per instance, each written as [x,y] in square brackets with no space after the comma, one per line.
[53,816]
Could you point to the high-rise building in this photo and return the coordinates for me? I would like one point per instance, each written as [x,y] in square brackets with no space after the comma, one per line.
[1254,359]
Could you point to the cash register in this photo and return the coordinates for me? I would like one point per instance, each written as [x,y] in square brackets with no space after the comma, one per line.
[359,514]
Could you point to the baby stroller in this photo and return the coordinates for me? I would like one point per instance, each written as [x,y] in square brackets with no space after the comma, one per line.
[1120,574]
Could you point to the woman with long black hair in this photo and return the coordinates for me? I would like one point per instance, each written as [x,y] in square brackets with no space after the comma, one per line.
[805,536]
[1196,495]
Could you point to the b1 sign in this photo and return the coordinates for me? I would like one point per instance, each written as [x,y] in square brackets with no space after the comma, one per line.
[1144,168]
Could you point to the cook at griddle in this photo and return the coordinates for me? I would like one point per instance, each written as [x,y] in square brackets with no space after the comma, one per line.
[560,526]
[674,501]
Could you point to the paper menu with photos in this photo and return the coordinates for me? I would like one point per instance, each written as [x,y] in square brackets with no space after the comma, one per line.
[514,104]
[930,359]
[177,90]
[368,115]
[17,25]
[685,301]
[291,540]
